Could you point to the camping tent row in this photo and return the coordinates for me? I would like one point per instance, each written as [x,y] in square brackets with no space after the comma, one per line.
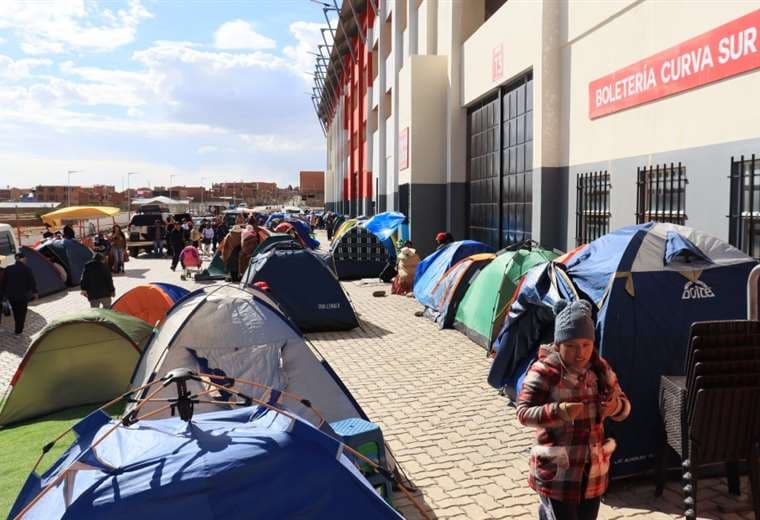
[647,283]
[56,264]
[466,285]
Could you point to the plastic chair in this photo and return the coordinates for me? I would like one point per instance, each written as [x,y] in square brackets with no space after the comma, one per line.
[366,438]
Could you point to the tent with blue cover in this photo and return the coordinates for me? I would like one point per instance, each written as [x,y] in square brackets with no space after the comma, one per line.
[70,254]
[359,253]
[248,462]
[306,289]
[385,224]
[648,283]
[443,299]
[272,217]
[304,231]
[432,267]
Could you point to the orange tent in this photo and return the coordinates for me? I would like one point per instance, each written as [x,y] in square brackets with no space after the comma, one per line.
[147,302]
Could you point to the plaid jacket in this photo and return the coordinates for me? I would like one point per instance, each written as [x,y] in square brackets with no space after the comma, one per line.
[570,460]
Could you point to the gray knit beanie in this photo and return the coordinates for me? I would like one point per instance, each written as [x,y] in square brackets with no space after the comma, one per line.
[573,321]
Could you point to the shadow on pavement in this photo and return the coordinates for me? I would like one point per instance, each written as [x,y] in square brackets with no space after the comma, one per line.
[134,273]
[714,501]
[407,509]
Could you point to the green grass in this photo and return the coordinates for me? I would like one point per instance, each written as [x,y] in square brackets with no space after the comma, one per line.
[21,445]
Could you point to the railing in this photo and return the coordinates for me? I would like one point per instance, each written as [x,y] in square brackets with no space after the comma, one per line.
[744,210]
[592,206]
[661,194]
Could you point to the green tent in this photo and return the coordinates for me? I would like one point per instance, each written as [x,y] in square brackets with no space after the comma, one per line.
[215,270]
[484,306]
[83,358]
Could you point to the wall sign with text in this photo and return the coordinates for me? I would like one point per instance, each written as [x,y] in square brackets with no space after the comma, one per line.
[497,62]
[726,51]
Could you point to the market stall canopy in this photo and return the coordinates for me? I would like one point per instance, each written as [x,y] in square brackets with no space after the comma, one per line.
[79,213]
[174,205]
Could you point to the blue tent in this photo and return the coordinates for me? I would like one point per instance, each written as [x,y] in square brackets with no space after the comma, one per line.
[304,231]
[71,254]
[305,288]
[384,224]
[432,267]
[273,216]
[648,284]
[174,292]
[45,274]
[242,463]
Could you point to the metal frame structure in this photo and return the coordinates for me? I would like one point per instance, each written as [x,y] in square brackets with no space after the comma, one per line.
[592,206]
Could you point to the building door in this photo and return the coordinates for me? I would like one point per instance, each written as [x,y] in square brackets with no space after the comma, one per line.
[500,165]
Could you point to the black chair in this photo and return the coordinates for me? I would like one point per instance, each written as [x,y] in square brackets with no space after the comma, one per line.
[712,415]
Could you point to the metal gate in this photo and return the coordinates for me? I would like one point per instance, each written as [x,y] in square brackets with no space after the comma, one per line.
[500,165]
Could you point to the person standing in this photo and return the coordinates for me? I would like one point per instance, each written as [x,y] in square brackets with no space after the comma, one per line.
[208,237]
[176,241]
[567,394]
[68,232]
[118,248]
[220,232]
[158,238]
[97,283]
[19,288]
[195,236]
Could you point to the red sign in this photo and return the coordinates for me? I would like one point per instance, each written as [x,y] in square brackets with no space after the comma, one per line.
[729,50]
[497,62]
[403,149]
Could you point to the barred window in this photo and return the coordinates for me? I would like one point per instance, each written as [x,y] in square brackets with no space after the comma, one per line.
[661,194]
[592,206]
[744,214]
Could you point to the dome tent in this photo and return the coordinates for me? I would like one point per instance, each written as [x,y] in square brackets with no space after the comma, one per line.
[241,333]
[305,288]
[149,302]
[434,266]
[648,283]
[45,274]
[481,312]
[445,295]
[72,255]
[248,462]
[82,358]
[358,253]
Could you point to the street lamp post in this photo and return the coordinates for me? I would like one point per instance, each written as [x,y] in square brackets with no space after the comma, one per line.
[129,197]
[170,183]
[203,190]
[68,185]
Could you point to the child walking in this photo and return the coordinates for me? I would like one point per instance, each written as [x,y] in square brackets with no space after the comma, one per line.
[567,394]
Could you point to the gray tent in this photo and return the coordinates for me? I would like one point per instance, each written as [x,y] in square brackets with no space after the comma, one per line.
[240,333]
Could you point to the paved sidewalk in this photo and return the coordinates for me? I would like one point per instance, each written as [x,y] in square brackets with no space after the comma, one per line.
[451,432]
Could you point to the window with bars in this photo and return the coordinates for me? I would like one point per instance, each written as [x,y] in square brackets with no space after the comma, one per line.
[592,206]
[661,194]
[744,210]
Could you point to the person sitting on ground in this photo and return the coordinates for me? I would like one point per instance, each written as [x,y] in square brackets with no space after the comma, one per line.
[566,395]
[443,239]
[68,232]
[19,287]
[407,268]
[97,283]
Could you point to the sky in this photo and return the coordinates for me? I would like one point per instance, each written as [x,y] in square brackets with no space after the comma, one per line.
[206,90]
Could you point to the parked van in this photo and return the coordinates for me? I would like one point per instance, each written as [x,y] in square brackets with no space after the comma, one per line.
[8,246]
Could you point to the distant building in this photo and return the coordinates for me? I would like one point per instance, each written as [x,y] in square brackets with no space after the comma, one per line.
[312,187]
[252,193]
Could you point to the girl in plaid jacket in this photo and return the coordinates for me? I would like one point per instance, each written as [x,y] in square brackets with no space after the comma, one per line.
[566,395]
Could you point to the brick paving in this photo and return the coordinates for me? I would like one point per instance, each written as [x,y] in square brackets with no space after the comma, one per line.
[455,437]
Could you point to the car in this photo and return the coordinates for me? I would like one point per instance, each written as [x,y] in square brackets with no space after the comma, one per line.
[8,246]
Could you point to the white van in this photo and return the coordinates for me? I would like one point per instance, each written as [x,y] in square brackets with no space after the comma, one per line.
[8,246]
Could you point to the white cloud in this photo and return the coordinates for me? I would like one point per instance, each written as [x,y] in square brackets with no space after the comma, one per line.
[308,36]
[239,34]
[206,149]
[2,40]
[15,70]
[59,26]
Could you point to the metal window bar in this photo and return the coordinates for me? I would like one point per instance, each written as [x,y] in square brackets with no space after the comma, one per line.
[661,193]
[744,200]
[592,215]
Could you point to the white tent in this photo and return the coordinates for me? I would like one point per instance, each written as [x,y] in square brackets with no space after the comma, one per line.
[174,205]
[240,333]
